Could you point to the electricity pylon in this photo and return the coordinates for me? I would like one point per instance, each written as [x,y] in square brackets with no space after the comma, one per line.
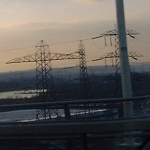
[84,78]
[85,87]
[44,77]
[115,54]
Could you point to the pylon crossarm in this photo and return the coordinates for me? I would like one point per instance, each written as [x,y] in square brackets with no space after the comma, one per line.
[28,58]
[134,54]
[114,55]
[58,56]
[132,33]
[114,32]
[49,57]
[108,55]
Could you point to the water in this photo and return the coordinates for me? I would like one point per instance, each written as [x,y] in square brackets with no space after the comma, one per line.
[19,115]
[17,94]
[30,115]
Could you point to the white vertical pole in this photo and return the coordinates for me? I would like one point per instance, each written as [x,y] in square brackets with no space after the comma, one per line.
[124,61]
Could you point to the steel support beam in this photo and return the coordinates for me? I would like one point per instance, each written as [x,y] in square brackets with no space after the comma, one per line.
[79,127]
[124,61]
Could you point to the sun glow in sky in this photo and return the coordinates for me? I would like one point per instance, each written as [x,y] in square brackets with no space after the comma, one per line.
[25,22]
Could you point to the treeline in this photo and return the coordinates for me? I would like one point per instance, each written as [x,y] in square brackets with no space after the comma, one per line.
[99,86]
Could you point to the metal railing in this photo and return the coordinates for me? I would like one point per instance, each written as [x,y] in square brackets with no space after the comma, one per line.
[104,109]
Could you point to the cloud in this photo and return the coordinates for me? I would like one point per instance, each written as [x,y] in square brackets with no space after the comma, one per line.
[51,32]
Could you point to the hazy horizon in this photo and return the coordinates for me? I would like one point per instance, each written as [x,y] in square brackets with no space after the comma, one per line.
[25,23]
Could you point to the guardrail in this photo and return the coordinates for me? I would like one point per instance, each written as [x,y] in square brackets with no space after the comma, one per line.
[82,123]
[93,108]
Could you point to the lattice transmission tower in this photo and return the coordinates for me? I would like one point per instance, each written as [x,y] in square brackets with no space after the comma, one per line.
[85,88]
[115,54]
[44,77]
[84,78]
[117,64]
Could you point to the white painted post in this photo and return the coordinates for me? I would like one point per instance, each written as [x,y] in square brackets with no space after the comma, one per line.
[124,61]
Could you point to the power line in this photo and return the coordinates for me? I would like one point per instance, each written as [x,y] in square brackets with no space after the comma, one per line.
[71,41]
[143,41]
[14,49]
[65,42]
[97,46]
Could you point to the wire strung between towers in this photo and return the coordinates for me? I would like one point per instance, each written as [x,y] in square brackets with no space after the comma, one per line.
[14,49]
[73,41]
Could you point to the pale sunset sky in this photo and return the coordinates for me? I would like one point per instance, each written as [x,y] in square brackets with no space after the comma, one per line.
[24,23]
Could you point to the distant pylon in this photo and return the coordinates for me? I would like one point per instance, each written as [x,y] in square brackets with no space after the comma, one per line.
[85,88]
[44,79]
[115,55]
[84,78]
[117,65]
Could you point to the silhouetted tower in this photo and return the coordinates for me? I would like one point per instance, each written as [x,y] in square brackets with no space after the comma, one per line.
[130,33]
[116,54]
[117,65]
[85,88]
[44,78]
[84,78]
